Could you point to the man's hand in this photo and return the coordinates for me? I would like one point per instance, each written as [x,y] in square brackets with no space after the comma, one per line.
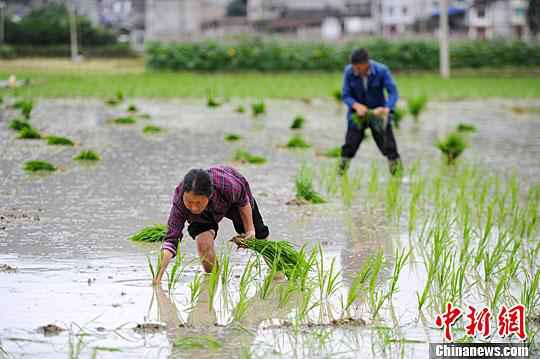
[166,257]
[381,111]
[249,235]
[360,109]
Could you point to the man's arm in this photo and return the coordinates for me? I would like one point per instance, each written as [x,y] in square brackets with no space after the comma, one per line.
[349,100]
[391,89]
[246,213]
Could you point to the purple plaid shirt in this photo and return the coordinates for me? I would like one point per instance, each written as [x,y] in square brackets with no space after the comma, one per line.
[231,189]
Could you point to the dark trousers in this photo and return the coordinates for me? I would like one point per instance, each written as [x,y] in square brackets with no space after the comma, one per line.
[385,140]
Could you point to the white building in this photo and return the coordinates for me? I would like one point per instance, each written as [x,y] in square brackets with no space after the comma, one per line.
[501,18]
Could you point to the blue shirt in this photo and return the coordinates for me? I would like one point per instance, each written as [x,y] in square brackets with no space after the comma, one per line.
[379,78]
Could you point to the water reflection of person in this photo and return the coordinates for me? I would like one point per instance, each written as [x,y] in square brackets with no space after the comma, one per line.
[202,318]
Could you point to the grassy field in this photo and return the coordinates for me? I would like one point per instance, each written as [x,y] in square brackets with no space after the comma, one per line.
[103,78]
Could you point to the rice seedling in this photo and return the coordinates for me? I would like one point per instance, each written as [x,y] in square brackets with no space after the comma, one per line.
[59,141]
[358,284]
[212,102]
[398,116]
[529,295]
[195,289]
[132,108]
[298,122]
[226,273]
[465,127]
[153,233]
[177,269]
[258,108]
[337,94]
[244,156]
[305,305]
[19,124]
[198,342]
[452,147]
[297,141]
[245,279]
[240,109]
[304,186]
[376,296]
[334,152]
[25,106]
[117,99]
[38,166]
[29,133]
[400,259]
[393,197]
[232,137]
[149,129]
[373,182]
[87,155]
[154,270]
[416,106]
[213,281]
[126,120]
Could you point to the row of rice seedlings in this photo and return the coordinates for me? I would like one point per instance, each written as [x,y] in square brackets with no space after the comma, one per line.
[298,122]
[304,186]
[297,141]
[244,156]
[151,129]
[232,137]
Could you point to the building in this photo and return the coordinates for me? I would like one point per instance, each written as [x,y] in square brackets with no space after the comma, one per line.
[498,18]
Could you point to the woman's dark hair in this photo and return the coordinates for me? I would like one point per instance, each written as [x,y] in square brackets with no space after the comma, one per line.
[359,56]
[198,182]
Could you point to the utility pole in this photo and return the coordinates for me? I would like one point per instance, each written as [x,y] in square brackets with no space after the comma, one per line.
[444,54]
[2,22]
[72,11]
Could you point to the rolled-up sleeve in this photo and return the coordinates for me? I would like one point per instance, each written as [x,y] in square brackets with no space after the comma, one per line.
[391,89]
[175,226]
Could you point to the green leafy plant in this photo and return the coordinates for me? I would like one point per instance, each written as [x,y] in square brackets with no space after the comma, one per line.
[132,108]
[149,129]
[126,120]
[399,115]
[452,146]
[25,106]
[258,108]
[154,270]
[38,166]
[416,106]
[212,102]
[153,233]
[29,133]
[337,95]
[305,188]
[334,152]
[87,155]
[19,124]
[244,156]
[59,140]
[117,99]
[298,122]
[465,127]
[232,137]
[297,141]
[240,109]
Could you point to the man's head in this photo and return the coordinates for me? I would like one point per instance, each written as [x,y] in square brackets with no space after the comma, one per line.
[360,61]
[197,187]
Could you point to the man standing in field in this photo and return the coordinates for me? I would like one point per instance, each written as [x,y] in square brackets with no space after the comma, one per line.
[202,199]
[364,83]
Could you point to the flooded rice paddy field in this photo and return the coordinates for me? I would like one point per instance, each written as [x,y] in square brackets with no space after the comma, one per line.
[65,233]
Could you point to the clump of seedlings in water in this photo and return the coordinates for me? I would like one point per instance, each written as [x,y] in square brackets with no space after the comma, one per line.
[452,146]
[87,155]
[59,141]
[399,115]
[337,95]
[132,108]
[416,106]
[125,120]
[29,133]
[39,166]
[149,129]
[304,187]
[244,156]
[232,137]
[212,102]
[297,141]
[240,109]
[117,99]
[18,124]
[298,122]
[154,233]
[258,108]
[177,269]
[466,127]
[25,106]
[333,152]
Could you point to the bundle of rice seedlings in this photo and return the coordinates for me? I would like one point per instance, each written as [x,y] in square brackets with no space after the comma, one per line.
[298,122]
[113,101]
[154,233]
[29,133]
[25,105]
[240,109]
[399,115]
[126,120]
[452,146]
[132,108]
[59,141]
[38,165]
[304,186]
[466,127]
[244,156]
[375,122]
[297,141]
[151,129]
[232,137]
[416,106]
[258,108]
[212,102]
[19,123]
[87,155]
[280,255]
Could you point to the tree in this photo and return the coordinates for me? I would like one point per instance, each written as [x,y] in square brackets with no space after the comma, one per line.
[533,16]
[237,8]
